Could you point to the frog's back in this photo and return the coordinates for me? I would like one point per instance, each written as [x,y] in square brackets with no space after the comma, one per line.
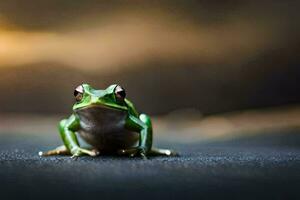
[104,128]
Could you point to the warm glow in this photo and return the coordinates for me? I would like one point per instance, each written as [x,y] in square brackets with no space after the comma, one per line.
[130,39]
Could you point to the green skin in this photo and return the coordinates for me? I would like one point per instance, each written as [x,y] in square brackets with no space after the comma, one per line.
[110,124]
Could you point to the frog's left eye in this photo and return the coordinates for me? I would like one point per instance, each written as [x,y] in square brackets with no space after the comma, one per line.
[78,93]
[120,92]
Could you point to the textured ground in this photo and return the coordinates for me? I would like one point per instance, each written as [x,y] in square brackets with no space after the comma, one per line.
[245,168]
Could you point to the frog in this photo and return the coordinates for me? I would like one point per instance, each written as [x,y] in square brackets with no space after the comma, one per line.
[109,123]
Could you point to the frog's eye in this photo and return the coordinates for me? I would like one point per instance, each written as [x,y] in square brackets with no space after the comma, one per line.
[78,93]
[120,92]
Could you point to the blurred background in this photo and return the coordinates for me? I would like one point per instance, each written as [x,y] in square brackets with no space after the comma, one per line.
[220,79]
[219,67]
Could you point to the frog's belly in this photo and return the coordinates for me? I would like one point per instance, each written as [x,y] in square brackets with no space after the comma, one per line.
[104,128]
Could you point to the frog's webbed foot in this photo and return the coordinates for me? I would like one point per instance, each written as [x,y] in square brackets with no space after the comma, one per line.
[61,150]
[81,152]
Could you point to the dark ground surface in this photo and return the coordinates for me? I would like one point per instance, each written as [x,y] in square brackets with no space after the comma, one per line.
[239,169]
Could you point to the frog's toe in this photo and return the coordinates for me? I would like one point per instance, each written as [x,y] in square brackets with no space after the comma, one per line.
[81,152]
[75,156]
[162,152]
[89,152]
[95,152]
[143,155]
[61,150]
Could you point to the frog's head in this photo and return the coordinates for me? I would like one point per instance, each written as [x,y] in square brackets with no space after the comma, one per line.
[111,97]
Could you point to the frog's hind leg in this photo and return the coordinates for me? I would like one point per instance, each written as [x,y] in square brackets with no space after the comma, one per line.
[61,150]
[162,152]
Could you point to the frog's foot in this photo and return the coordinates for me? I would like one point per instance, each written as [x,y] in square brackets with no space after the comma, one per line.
[132,152]
[162,152]
[136,152]
[61,150]
[80,152]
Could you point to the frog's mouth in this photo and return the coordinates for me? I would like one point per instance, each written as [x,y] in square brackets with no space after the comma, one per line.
[97,107]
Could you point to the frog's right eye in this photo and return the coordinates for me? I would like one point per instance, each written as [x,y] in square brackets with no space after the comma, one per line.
[78,93]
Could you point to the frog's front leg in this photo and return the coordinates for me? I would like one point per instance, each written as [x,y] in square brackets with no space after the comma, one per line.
[67,129]
[144,127]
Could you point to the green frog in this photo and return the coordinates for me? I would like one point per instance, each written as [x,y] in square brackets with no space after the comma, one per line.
[107,121]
